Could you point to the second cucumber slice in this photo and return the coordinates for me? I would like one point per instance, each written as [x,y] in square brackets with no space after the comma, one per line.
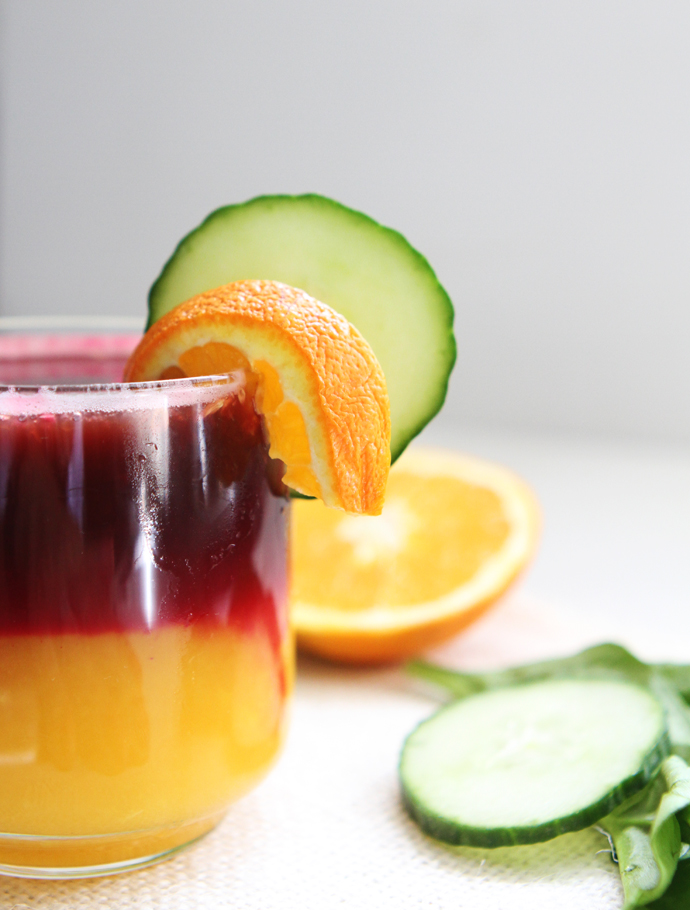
[368,273]
[523,764]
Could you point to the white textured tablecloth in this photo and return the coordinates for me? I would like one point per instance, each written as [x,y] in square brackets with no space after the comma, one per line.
[326,828]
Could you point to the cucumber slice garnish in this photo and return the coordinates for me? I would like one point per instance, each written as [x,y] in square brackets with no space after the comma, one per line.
[368,273]
[523,764]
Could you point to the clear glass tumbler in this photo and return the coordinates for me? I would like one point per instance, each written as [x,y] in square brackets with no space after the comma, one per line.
[145,656]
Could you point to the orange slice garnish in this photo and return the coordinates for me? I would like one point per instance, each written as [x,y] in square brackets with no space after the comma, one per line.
[454,534]
[314,378]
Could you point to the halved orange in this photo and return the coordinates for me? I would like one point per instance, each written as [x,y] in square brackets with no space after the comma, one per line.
[454,533]
[315,379]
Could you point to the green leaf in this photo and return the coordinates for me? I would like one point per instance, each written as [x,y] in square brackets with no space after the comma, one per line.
[679,677]
[677,713]
[455,683]
[677,896]
[646,833]
[605,659]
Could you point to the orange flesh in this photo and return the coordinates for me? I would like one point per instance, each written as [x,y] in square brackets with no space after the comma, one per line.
[131,733]
[285,424]
[408,567]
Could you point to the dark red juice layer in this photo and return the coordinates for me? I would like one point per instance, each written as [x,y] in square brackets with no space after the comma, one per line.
[109,522]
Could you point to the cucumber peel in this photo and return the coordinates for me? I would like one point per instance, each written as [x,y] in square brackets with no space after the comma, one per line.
[368,273]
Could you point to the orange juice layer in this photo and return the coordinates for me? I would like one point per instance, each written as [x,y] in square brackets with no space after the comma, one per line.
[134,731]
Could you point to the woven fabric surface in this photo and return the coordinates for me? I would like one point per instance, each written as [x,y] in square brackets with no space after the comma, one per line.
[326,828]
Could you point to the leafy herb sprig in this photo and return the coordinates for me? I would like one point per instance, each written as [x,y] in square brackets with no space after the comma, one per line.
[650,832]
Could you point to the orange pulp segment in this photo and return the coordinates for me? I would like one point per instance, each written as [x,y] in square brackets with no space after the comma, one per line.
[454,533]
[314,378]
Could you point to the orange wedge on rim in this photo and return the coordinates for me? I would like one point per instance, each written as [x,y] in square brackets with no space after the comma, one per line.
[454,533]
[315,380]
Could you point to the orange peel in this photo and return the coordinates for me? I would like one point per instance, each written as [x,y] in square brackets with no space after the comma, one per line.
[315,380]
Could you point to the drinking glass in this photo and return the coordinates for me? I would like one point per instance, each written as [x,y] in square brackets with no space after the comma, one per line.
[145,656]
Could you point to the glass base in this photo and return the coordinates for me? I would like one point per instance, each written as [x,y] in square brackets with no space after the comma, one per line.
[34,856]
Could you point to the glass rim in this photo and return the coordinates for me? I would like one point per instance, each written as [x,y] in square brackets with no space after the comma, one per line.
[109,398]
[213,379]
[71,322]
[110,327]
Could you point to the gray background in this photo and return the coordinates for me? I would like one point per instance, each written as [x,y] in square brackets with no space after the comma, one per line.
[538,153]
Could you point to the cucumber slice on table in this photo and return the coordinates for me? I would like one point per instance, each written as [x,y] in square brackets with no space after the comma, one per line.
[368,273]
[523,764]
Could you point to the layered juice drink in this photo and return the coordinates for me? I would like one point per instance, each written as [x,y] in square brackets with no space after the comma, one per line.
[145,657]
